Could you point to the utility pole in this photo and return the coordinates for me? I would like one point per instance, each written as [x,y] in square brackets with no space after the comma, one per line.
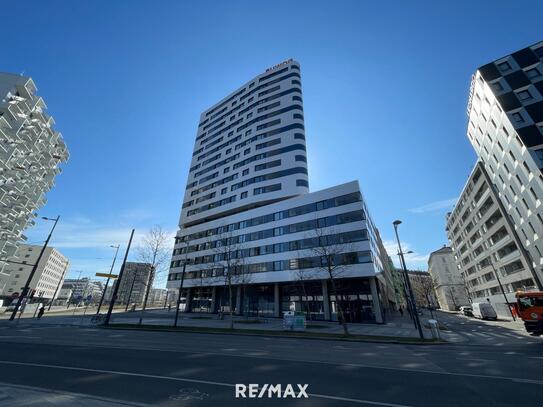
[116,290]
[27,285]
[107,281]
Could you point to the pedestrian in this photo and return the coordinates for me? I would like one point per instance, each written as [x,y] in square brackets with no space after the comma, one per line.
[401,311]
[41,311]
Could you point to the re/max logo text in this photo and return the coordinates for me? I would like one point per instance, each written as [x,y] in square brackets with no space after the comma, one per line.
[255,391]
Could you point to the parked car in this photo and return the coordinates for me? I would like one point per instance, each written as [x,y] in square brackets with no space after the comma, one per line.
[466,310]
[484,310]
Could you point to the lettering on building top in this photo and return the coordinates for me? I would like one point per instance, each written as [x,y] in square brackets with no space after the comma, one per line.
[279,65]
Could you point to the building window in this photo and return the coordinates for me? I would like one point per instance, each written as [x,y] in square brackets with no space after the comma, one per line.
[497,86]
[244,195]
[302,183]
[226,170]
[504,66]
[247,151]
[224,191]
[245,172]
[517,117]
[249,115]
[524,95]
[533,73]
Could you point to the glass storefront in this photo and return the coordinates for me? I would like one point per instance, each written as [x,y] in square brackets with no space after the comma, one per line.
[257,300]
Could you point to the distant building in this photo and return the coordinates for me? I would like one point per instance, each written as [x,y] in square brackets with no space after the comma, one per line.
[64,296]
[133,284]
[448,284]
[51,270]
[83,290]
[157,297]
[30,154]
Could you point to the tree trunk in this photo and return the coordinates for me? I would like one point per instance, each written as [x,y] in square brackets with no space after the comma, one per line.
[230,304]
[306,302]
[338,304]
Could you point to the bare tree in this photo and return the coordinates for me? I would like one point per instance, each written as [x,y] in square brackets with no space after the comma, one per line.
[153,251]
[329,249]
[303,276]
[228,259]
[423,286]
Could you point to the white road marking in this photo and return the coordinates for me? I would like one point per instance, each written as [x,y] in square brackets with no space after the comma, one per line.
[182,379]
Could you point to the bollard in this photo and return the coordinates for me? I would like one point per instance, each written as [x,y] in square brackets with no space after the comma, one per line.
[434,328]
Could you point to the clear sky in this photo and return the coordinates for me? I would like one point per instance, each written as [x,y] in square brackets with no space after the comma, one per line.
[385,89]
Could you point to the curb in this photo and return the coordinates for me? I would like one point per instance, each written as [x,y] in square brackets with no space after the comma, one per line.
[279,334]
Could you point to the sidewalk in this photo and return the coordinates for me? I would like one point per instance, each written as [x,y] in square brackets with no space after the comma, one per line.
[18,396]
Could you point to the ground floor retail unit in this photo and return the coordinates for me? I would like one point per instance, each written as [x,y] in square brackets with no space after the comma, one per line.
[360,298]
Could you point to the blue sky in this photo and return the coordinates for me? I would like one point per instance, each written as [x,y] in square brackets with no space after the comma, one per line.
[385,91]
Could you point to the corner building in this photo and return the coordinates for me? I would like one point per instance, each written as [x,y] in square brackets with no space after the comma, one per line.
[248,182]
[505,127]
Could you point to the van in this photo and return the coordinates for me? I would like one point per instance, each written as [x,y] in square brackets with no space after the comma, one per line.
[483,310]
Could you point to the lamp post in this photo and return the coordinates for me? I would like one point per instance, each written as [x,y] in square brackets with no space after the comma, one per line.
[27,285]
[405,292]
[116,289]
[107,281]
[501,288]
[396,223]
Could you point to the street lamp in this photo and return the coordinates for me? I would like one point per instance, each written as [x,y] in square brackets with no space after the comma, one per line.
[396,223]
[27,285]
[107,281]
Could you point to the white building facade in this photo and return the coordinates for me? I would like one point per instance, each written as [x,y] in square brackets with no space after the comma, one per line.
[449,287]
[248,188]
[505,128]
[487,247]
[30,154]
[47,279]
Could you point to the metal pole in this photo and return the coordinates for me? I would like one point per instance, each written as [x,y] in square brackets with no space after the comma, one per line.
[181,286]
[107,281]
[501,288]
[131,288]
[27,285]
[413,303]
[58,286]
[114,295]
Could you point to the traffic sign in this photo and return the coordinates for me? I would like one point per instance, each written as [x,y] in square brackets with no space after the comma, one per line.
[106,275]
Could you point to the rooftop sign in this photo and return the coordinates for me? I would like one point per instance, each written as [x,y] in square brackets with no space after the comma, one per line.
[279,65]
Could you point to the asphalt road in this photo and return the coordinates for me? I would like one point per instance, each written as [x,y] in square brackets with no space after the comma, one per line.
[176,369]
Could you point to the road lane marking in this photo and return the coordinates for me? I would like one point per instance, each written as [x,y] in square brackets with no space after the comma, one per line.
[410,370]
[182,379]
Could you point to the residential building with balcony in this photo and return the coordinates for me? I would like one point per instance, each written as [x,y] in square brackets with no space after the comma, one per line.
[505,126]
[31,152]
[486,245]
[248,189]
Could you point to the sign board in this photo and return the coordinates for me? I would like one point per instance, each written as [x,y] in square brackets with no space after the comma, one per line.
[293,322]
[106,275]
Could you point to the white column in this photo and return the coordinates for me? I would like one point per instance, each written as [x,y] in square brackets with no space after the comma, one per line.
[213,299]
[376,303]
[326,300]
[238,300]
[277,301]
